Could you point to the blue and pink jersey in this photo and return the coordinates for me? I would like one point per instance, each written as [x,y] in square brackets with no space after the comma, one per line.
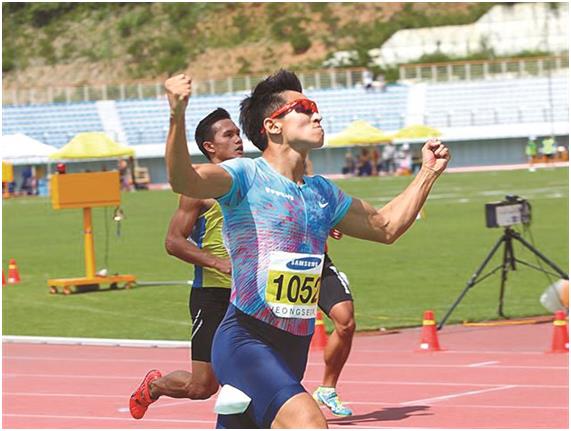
[275,231]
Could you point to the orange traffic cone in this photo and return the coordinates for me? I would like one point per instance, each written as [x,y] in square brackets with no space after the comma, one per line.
[560,340]
[13,273]
[429,338]
[319,339]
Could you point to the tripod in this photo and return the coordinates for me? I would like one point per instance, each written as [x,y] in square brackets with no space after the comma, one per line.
[508,263]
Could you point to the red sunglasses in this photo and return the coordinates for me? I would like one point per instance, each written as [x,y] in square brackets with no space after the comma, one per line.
[303,106]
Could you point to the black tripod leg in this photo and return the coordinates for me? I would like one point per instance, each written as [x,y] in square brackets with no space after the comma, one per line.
[507,263]
[540,255]
[472,281]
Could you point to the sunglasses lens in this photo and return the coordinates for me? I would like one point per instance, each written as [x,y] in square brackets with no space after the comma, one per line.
[305,106]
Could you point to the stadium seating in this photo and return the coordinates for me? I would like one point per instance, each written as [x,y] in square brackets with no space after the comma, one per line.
[53,124]
[383,109]
[146,121]
[481,103]
[466,103]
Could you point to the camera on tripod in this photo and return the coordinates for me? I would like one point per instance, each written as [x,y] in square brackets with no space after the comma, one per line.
[513,210]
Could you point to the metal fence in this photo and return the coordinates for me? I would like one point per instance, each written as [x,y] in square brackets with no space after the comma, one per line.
[321,79]
[472,70]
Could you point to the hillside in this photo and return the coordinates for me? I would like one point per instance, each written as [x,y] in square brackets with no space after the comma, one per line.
[61,44]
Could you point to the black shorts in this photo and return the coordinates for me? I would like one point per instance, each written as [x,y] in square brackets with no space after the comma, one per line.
[207,306]
[334,288]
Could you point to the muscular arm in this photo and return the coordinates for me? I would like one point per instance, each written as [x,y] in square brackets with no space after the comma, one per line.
[180,228]
[200,181]
[389,223]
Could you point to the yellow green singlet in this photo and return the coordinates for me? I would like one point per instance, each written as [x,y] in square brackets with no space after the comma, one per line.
[207,235]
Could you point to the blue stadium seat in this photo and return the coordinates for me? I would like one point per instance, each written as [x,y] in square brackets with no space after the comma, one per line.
[465,103]
[53,124]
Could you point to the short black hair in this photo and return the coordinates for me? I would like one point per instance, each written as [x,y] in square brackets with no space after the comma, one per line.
[204,130]
[264,100]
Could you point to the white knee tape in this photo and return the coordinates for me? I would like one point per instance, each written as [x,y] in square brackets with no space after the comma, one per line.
[231,401]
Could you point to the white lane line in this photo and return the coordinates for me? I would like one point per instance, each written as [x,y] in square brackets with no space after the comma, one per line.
[524,367]
[364,403]
[460,394]
[69,376]
[463,406]
[84,359]
[430,383]
[482,364]
[349,364]
[42,394]
[306,381]
[453,352]
[106,418]
[99,342]
[170,404]
[84,395]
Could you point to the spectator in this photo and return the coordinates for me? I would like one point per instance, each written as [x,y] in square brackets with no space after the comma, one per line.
[364,168]
[350,164]
[124,175]
[531,152]
[131,164]
[368,80]
[375,161]
[28,185]
[388,158]
[416,158]
[380,83]
[404,160]
[548,148]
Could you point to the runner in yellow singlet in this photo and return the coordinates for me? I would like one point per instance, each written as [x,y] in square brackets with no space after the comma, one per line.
[195,236]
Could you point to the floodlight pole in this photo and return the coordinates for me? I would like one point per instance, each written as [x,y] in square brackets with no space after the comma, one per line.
[509,261]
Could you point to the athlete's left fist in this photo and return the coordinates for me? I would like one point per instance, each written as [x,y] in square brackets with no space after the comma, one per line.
[435,155]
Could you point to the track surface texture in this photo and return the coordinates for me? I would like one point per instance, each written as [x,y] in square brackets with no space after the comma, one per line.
[487,377]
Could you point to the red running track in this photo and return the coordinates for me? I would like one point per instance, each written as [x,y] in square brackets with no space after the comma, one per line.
[489,377]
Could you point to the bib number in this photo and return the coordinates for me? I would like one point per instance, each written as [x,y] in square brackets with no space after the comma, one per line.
[292,288]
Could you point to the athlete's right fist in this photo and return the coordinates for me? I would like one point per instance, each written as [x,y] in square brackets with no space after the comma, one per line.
[178,89]
[336,234]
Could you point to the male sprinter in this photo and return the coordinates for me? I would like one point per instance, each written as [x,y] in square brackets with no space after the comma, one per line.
[201,219]
[276,222]
[218,138]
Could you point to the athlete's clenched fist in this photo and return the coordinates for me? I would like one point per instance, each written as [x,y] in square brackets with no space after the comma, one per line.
[435,155]
[178,89]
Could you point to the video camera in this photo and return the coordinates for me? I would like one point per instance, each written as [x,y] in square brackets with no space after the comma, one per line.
[513,210]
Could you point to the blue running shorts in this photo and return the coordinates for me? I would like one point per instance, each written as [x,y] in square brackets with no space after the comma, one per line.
[264,362]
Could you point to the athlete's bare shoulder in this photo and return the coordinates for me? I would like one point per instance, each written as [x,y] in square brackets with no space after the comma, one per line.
[188,204]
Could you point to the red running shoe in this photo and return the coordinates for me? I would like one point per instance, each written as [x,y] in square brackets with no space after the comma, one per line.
[141,399]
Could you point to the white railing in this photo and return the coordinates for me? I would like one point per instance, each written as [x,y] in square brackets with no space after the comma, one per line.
[484,69]
[321,79]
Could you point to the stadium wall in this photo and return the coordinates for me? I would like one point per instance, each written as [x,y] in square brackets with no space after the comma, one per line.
[329,161]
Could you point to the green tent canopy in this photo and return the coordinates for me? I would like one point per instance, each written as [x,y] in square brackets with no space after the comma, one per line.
[92,145]
[359,133]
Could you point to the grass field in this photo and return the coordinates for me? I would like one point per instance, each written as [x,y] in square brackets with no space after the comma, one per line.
[392,285]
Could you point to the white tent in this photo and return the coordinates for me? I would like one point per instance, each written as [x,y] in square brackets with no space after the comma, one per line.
[20,149]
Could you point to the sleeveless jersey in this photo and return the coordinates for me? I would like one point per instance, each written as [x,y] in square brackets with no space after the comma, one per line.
[207,235]
[275,231]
